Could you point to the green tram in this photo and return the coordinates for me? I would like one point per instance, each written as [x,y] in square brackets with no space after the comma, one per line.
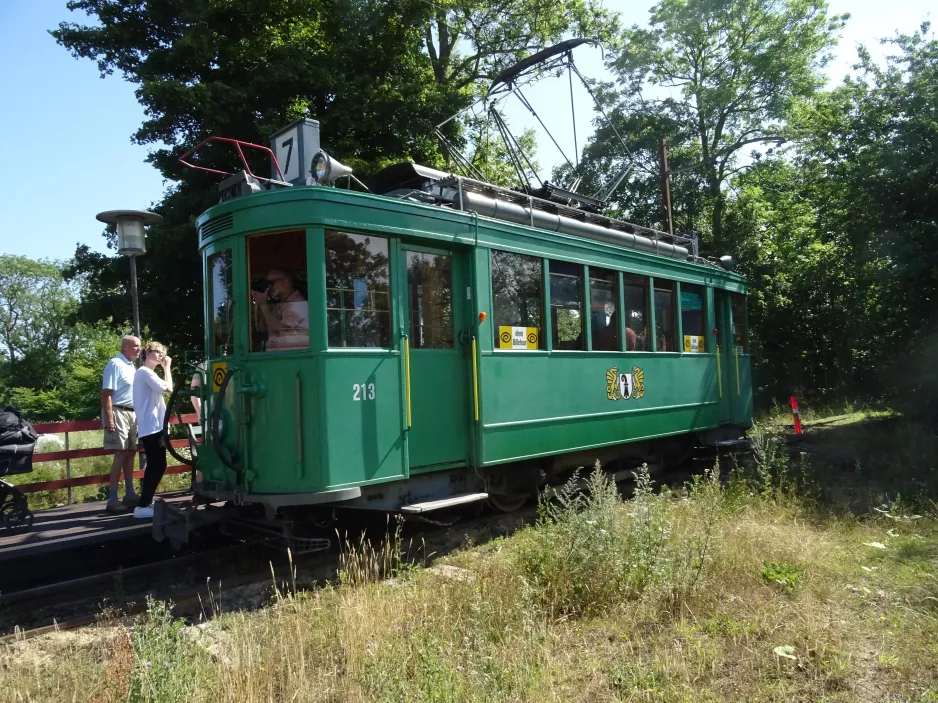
[429,352]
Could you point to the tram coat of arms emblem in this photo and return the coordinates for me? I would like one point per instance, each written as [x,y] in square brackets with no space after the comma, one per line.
[622,386]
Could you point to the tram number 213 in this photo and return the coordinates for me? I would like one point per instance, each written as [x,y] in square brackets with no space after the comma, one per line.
[364,391]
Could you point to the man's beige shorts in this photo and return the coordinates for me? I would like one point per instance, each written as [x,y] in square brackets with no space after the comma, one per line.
[124,437]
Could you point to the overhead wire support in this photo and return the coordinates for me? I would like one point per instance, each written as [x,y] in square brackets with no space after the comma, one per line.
[527,104]
[460,160]
[514,150]
[576,147]
[600,108]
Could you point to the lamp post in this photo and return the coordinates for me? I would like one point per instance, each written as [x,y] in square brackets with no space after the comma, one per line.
[131,243]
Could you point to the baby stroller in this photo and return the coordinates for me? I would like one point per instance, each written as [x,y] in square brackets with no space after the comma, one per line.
[17,444]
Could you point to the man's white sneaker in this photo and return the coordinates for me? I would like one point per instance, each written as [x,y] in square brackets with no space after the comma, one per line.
[143,513]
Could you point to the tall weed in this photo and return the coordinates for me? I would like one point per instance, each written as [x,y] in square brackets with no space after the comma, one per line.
[165,667]
[590,551]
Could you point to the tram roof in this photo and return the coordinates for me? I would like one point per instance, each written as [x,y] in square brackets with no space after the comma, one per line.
[311,206]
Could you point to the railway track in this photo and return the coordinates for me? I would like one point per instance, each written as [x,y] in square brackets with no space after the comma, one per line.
[213,577]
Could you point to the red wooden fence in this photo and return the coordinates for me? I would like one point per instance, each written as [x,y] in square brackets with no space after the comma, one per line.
[69,454]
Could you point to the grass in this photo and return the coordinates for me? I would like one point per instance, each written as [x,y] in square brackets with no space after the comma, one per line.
[89,466]
[765,584]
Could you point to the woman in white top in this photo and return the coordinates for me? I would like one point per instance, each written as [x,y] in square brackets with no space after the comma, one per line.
[150,409]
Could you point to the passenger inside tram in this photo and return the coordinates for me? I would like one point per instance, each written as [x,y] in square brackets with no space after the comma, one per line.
[283,312]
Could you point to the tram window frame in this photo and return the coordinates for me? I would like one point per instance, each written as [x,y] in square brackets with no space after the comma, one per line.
[561,274]
[227,281]
[604,338]
[735,299]
[376,291]
[431,322]
[520,305]
[632,282]
[665,287]
[691,327]
[287,280]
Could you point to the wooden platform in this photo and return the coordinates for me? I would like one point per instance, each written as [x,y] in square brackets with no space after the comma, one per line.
[73,526]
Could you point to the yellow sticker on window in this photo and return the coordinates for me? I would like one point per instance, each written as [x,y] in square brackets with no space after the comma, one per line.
[219,369]
[693,344]
[517,338]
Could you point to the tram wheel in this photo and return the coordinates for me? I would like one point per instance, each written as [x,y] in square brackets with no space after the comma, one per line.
[507,503]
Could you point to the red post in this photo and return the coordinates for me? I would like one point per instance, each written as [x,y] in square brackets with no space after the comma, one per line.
[794,414]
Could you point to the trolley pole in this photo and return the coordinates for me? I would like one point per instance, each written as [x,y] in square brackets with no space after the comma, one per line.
[665,187]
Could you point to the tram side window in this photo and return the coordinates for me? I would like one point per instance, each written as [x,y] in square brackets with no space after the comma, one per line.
[664,315]
[740,329]
[358,290]
[635,289]
[277,278]
[604,318]
[222,330]
[517,301]
[566,305]
[693,317]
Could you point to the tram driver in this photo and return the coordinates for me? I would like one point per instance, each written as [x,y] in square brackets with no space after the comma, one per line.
[282,312]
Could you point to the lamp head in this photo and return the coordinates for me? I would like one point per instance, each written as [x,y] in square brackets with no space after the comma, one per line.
[130,234]
[325,170]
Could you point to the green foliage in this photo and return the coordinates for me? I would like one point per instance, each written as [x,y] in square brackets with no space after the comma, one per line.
[165,666]
[35,310]
[839,240]
[50,364]
[786,576]
[377,75]
[733,70]
[472,40]
[589,551]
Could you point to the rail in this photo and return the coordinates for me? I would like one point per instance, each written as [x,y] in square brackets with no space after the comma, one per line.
[67,454]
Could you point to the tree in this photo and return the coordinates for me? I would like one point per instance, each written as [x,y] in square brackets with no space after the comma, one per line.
[875,140]
[739,69]
[472,40]
[491,157]
[638,196]
[50,366]
[244,70]
[363,68]
[36,307]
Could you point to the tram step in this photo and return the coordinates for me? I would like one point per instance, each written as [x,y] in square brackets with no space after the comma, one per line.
[451,502]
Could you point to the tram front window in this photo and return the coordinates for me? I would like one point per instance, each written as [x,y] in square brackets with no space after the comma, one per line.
[279,309]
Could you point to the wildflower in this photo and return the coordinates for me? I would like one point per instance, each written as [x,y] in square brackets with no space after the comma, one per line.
[147,665]
[459,667]
[167,665]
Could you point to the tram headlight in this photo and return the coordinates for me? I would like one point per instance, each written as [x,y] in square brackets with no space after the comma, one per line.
[325,169]
[320,167]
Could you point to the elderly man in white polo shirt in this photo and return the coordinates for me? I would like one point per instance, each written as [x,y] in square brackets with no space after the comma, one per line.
[119,421]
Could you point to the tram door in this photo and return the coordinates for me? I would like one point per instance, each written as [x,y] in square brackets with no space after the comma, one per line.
[723,341]
[435,283]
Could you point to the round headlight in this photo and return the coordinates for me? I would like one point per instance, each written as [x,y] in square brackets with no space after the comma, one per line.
[320,167]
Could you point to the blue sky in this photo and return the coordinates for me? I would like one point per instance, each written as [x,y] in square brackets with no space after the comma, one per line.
[68,133]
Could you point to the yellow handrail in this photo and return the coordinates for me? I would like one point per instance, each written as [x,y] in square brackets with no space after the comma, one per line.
[475,380]
[407,375]
[719,372]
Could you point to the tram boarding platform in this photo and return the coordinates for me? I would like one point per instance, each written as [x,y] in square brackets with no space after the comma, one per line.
[74,526]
